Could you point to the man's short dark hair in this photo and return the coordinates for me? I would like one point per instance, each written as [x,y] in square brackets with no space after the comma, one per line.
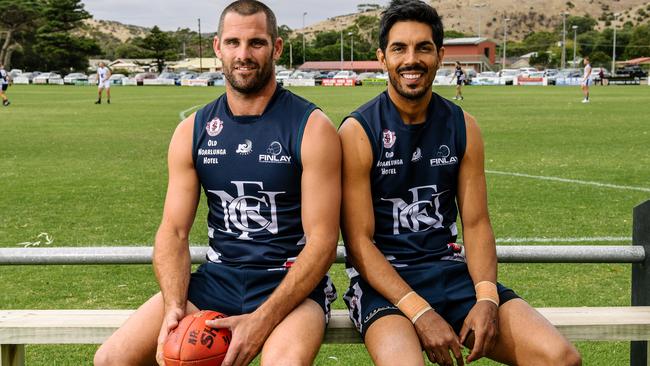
[251,7]
[410,10]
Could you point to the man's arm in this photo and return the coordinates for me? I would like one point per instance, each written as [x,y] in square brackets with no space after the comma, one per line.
[321,197]
[171,258]
[478,238]
[436,336]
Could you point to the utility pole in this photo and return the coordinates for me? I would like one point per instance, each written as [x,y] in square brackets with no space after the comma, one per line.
[341,49]
[478,9]
[303,36]
[290,55]
[200,49]
[575,43]
[505,31]
[563,62]
[351,50]
[614,46]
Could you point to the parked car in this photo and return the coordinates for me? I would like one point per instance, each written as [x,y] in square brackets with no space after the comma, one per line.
[26,77]
[525,71]
[634,71]
[331,74]
[443,76]
[283,75]
[363,76]
[508,76]
[319,76]
[139,78]
[383,75]
[188,72]
[595,73]
[302,75]
[74,77]
[169,76]
[570,73]
[14,73]
[470,74]
[45,77]
[210,77]
[187,76]
[117,79]
[345,74]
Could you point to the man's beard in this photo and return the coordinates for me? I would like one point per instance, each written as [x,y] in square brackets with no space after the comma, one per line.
[253,84]
[412,94]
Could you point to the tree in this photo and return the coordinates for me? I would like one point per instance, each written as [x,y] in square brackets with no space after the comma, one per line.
[600,59]
[639,45]
[454,34]
[160,46]
[585,24]
[539,41]
[56,45]
[18,16]
[540,60]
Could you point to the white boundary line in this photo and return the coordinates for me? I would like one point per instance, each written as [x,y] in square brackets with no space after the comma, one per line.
[556,179]
[626,239]
[182,114]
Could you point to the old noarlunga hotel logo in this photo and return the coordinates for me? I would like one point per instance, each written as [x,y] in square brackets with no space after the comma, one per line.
[388,137]
[214,127]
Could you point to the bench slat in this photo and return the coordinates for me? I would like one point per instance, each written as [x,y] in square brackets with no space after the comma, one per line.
[142,255]
[94,326]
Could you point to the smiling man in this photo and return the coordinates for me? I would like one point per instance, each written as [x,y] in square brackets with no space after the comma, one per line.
[269,164]
[412,162]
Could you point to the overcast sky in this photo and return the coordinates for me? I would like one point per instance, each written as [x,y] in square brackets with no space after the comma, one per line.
[173,14]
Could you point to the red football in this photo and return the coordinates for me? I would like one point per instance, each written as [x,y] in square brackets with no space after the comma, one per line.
[193,343]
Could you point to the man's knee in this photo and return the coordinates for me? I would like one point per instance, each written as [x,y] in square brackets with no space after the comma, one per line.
[285,361]
[103,357]
[564,354]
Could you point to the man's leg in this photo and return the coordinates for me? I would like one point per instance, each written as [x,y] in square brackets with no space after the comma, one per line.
[392,340]
[527,338]
[108,94]
[297,339]
[99,95]
[135,342]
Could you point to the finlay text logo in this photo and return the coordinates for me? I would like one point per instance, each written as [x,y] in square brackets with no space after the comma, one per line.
[422,213]
[274,155]
[252,209]
[443,158]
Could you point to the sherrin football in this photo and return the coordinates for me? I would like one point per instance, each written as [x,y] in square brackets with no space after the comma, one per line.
[193,343]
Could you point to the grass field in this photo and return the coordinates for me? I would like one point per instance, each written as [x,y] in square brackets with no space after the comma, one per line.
[96,175]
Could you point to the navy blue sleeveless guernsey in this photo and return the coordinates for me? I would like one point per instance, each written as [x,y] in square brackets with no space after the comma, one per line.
[250,170]
[414,179]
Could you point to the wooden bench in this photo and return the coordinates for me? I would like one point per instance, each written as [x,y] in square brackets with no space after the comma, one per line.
[21,327]
[628,323]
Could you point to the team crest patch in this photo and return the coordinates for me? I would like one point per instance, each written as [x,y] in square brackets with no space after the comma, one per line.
[388,137]
[214,127]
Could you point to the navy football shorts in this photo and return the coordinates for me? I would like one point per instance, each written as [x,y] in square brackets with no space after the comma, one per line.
[445,285]
[235,291]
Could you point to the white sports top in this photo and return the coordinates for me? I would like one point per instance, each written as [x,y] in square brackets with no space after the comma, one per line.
[587,72]
[102,72]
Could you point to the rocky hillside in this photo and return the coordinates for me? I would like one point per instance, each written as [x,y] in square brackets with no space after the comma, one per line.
[108,30]
[459,15]
[532,15]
